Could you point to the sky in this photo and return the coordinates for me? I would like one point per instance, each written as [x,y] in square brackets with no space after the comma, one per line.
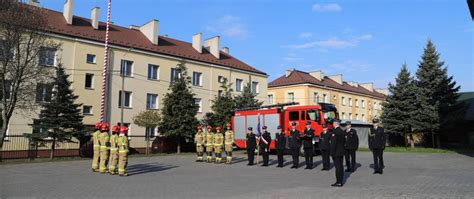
[365,41]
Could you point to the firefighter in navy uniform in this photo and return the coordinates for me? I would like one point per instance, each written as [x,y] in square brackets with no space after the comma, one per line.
[337,152]
[264,145]
[377,139]
[295,145]
[307,139]
[280,144]
[324,146]
[251,143]
[352,144]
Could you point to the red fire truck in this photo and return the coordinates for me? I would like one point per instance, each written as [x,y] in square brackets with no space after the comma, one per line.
[282,114]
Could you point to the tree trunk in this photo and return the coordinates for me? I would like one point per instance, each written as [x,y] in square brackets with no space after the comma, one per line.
[53,146]
[433,139]
[3,131]
[438,141]
[147,146]
[178,148]
[412,142]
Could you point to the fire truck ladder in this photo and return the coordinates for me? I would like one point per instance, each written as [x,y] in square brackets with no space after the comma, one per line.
[278,105]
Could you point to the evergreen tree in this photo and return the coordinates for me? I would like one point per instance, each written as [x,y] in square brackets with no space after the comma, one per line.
[223,105]
[399,108]
[437,93]
[61,118]
[247,98]
[179,109]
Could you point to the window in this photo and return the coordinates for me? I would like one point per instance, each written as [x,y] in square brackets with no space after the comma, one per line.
[375,105]
[128,126]
[152,72]
[127,96]
[175,74]
[44,92]
[220,79]
[6,51]
[126,68]
[270,99]
[363,117]
[47,56]
[363,104]
[89,82]
[197,79]
[151,101]
[150,132]
[350,116]
[357,102]
[343,101]
[357,116]
[291,97]
[313,115]
[87,110]
[325,98]
[8,87]
[90,59]
[219,92]
[350,102]
[343,115]
[315,98]
[36,127]
[238,85]
[198,102]
[294,116]
[255,87]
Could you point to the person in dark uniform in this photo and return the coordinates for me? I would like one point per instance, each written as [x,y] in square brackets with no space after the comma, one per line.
[307,139]
[264,145]
[377,139]
[337,152]
[352,144]
[280,143]
[251,145]
[295,145]
[324,146]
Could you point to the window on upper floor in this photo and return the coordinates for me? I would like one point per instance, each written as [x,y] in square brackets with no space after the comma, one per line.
[151,101]
[197,79]
[86,110]
[47,56]
[126,68]
[90,59]
[350,101]
[270,99]
[238,85]
[127,99]
[255,88]
[175,74]
[89,81]
[152,72]
[44,92]
[325,98]
[315,97]
[291,97]
[8,87]
[343,101]
[363,103]
[198,102]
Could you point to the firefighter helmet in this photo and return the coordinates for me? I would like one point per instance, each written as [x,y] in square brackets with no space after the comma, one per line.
[123,130]
[209,127]
[228,124]
[115,129]
[98,125]
[104,127]
[218,128]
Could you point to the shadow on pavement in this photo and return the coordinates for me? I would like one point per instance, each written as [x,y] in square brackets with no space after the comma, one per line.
[237,160]
[347,175]
[137,169]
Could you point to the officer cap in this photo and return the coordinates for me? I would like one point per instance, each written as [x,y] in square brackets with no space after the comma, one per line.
[278,127]
[375,120]
[348,123]
[250,128]
[336,120]
[308,123]
[325,126]
[264,127]
[293,124]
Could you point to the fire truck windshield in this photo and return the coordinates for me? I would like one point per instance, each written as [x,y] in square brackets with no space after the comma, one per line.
[313,115]
[329,115]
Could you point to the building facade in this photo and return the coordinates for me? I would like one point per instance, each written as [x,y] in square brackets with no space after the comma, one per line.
[354,101]
[141,61]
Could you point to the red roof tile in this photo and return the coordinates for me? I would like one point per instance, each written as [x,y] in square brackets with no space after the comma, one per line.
[300,77]
[130,38]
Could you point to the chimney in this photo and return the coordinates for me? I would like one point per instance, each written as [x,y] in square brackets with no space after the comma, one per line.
[150,30]
[197,42]
[355,84]
[288,72]
[317,74]
[337,78]
[212,45]
[368,86]
[225,50]
[67,11]
[382,90]
[95,17]
[33,3]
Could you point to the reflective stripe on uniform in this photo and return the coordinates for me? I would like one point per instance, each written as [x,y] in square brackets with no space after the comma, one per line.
[114,149]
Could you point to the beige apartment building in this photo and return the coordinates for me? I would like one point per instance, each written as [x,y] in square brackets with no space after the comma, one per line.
[147,60]
[354,101]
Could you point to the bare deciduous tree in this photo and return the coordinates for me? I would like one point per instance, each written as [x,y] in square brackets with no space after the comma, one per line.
[23,38]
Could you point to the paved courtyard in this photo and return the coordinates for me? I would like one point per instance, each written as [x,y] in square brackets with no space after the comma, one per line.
[407,175]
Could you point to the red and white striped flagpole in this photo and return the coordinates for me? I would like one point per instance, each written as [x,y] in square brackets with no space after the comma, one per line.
[106,60]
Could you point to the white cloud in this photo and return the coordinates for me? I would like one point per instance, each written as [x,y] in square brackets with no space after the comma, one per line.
[230,26]
[333,43]
[350,66]
[328,7]
[305,35]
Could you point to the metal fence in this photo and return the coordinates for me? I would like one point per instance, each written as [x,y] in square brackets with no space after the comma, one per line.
[21,147]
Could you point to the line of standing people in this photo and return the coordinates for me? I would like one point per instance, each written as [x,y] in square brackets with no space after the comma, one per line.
[213,143]
[110,150]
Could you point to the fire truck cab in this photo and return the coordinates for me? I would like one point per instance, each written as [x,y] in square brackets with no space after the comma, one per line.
[283,115]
